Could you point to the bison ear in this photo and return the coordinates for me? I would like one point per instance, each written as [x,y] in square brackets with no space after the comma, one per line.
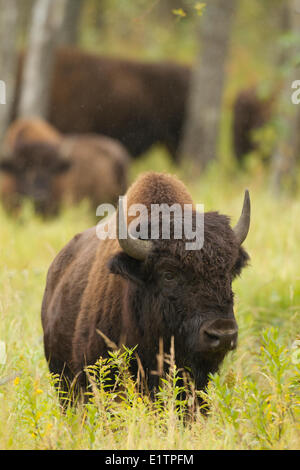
[127,267]
[241,262]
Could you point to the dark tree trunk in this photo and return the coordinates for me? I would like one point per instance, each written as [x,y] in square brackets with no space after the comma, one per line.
[201,129]
[71,26]
[287,151]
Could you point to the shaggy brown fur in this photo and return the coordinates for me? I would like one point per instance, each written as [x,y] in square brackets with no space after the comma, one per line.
[92,284]
[61,169]
[139,104]
[29,130]
[249,113]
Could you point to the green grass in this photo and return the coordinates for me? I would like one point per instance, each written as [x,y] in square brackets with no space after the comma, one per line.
[254,400]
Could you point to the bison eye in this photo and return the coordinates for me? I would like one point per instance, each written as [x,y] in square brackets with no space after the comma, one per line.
[168,276]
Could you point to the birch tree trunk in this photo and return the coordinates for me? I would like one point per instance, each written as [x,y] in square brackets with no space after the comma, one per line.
[44,34]
[288,148]
[8,59]
[201,129]
[71,25]
[25,14]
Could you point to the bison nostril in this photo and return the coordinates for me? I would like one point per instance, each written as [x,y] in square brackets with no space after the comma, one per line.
[213,339]
[219,335]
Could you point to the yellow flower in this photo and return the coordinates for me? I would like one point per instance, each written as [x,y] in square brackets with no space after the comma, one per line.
[17,381]
[49,426]
[38,391]
[200,8]
[179,12]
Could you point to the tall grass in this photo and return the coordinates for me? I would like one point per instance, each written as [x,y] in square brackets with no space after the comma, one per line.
[254,400]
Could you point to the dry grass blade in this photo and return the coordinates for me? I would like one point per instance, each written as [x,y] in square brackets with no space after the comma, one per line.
[110,344]
[140,367]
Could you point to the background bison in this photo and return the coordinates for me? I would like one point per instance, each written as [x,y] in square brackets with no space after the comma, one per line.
[137,291]
[250,112]
[137,103]
[51,169]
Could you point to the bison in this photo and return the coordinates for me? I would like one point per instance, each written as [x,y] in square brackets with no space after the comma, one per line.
[137,291]
[139,104]
[249,114]
[52,169]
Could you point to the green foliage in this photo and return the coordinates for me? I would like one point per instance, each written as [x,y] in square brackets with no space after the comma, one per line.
[263,407]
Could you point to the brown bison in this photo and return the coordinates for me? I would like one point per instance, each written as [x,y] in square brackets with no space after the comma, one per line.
[137,103]
[52,169]
[249,114]
[136,291]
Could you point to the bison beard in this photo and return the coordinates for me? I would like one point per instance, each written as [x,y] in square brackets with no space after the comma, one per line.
[161,291]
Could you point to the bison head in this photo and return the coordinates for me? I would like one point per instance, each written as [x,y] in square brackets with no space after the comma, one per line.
[34,167]
[186,294]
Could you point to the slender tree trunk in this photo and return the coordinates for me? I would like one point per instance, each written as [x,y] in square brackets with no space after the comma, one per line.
[71,25]
[8,58]
[25,13]
[284,25]
[288,148]
[201,130]
[44,33]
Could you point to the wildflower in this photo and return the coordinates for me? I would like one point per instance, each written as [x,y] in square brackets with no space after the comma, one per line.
[179,12]
[17,381]
[49,426]
[200,8]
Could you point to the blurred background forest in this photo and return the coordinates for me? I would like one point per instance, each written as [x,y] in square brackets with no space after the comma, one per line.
[240,130]
[262,55]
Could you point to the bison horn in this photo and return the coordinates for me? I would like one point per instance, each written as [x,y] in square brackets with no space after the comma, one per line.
[242,227]
[134,247]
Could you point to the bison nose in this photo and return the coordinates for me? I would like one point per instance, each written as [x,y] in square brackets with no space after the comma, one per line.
[219,335]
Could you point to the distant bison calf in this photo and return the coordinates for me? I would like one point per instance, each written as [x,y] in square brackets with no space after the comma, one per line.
[41,164]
